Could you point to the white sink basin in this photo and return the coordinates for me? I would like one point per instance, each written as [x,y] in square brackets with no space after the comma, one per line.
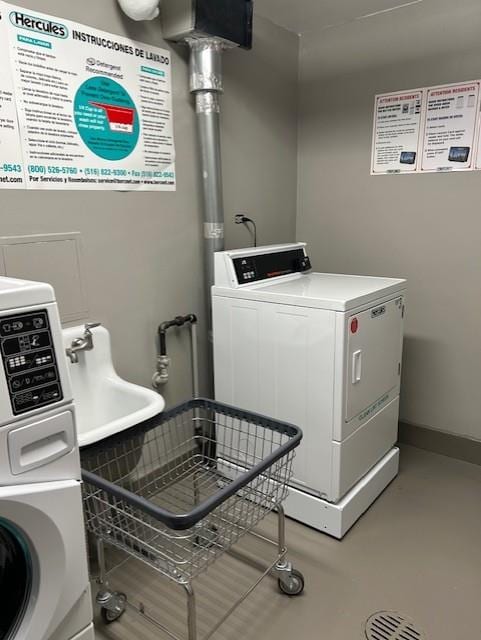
[105,403]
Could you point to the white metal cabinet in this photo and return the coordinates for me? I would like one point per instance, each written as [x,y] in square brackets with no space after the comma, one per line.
[297,363]
[278,360]
[285,346]
[363,449]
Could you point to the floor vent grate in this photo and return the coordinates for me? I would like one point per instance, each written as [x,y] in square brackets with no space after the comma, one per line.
[390,625]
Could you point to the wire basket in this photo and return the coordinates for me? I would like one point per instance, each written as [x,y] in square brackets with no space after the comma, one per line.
[182,488]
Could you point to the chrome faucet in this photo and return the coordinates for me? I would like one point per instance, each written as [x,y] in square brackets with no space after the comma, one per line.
[85,343]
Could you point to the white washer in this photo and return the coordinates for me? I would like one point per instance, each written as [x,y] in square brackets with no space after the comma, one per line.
[44,586]
[324,352]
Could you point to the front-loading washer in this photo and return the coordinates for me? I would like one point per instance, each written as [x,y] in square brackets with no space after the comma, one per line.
[44,585]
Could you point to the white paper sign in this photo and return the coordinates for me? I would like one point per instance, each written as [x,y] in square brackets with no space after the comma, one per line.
[396,132]
[450,129]
[478,145]
[94,109]
[11,161]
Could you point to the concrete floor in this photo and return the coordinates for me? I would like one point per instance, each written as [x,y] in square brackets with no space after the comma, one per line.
[416,551]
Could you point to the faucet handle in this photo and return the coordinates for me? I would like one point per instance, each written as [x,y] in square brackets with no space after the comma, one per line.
[91,325]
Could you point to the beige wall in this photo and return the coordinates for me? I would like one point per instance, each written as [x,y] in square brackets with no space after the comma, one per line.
[143,251]
[426,228]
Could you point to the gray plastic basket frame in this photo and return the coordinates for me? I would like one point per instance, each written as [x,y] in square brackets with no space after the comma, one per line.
[185,521]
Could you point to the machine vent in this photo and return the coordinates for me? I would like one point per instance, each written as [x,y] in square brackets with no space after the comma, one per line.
[390,625]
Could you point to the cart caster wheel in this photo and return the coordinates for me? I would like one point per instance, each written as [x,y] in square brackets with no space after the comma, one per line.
[109,615]
[292,584]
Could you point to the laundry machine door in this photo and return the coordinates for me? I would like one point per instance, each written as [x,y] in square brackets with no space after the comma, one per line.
[374,353]
[15,578]
[44,561]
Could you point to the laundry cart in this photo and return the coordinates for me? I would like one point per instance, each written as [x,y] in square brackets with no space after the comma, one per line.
[180,490]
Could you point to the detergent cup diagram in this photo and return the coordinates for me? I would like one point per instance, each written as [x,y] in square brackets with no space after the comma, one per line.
[106,119]
[94,109]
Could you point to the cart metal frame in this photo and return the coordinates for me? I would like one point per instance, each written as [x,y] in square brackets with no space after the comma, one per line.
[230,467]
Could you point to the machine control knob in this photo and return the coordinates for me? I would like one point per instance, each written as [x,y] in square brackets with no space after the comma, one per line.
[305,264]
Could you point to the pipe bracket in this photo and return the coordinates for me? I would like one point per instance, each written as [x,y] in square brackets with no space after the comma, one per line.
[213,230]
[206,82]
[207,103]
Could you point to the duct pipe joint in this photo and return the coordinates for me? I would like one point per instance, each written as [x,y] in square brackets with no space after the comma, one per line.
[207,102]
[206,64]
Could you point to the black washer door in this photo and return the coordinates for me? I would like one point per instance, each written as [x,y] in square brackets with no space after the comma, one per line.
[15,579]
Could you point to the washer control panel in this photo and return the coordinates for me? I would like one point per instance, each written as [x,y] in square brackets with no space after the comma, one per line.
[29,361]
[259,267]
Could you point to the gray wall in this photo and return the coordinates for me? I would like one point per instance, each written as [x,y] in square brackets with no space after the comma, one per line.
[260,136]
[143,251]
[427,227]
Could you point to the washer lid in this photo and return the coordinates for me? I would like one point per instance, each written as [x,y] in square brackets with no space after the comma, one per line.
[336,292]
[15,294]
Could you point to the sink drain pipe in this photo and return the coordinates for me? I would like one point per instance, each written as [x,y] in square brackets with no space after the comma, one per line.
[207,85]
[161,376]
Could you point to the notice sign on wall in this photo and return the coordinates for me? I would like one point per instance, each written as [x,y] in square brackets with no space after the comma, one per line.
[478,145]
[397,128]
[427,130]
[11,160]
[81,108]
[451,121]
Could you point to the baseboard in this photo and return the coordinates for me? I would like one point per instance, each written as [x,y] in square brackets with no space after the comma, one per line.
[440,442]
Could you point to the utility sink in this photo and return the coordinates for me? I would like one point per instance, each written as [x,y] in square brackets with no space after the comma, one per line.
[105,403]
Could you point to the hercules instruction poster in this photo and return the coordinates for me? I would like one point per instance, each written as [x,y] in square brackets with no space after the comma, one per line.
[11,161]
[91,110]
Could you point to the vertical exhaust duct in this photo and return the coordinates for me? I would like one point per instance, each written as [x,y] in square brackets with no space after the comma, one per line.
[206,85]
[209,27]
